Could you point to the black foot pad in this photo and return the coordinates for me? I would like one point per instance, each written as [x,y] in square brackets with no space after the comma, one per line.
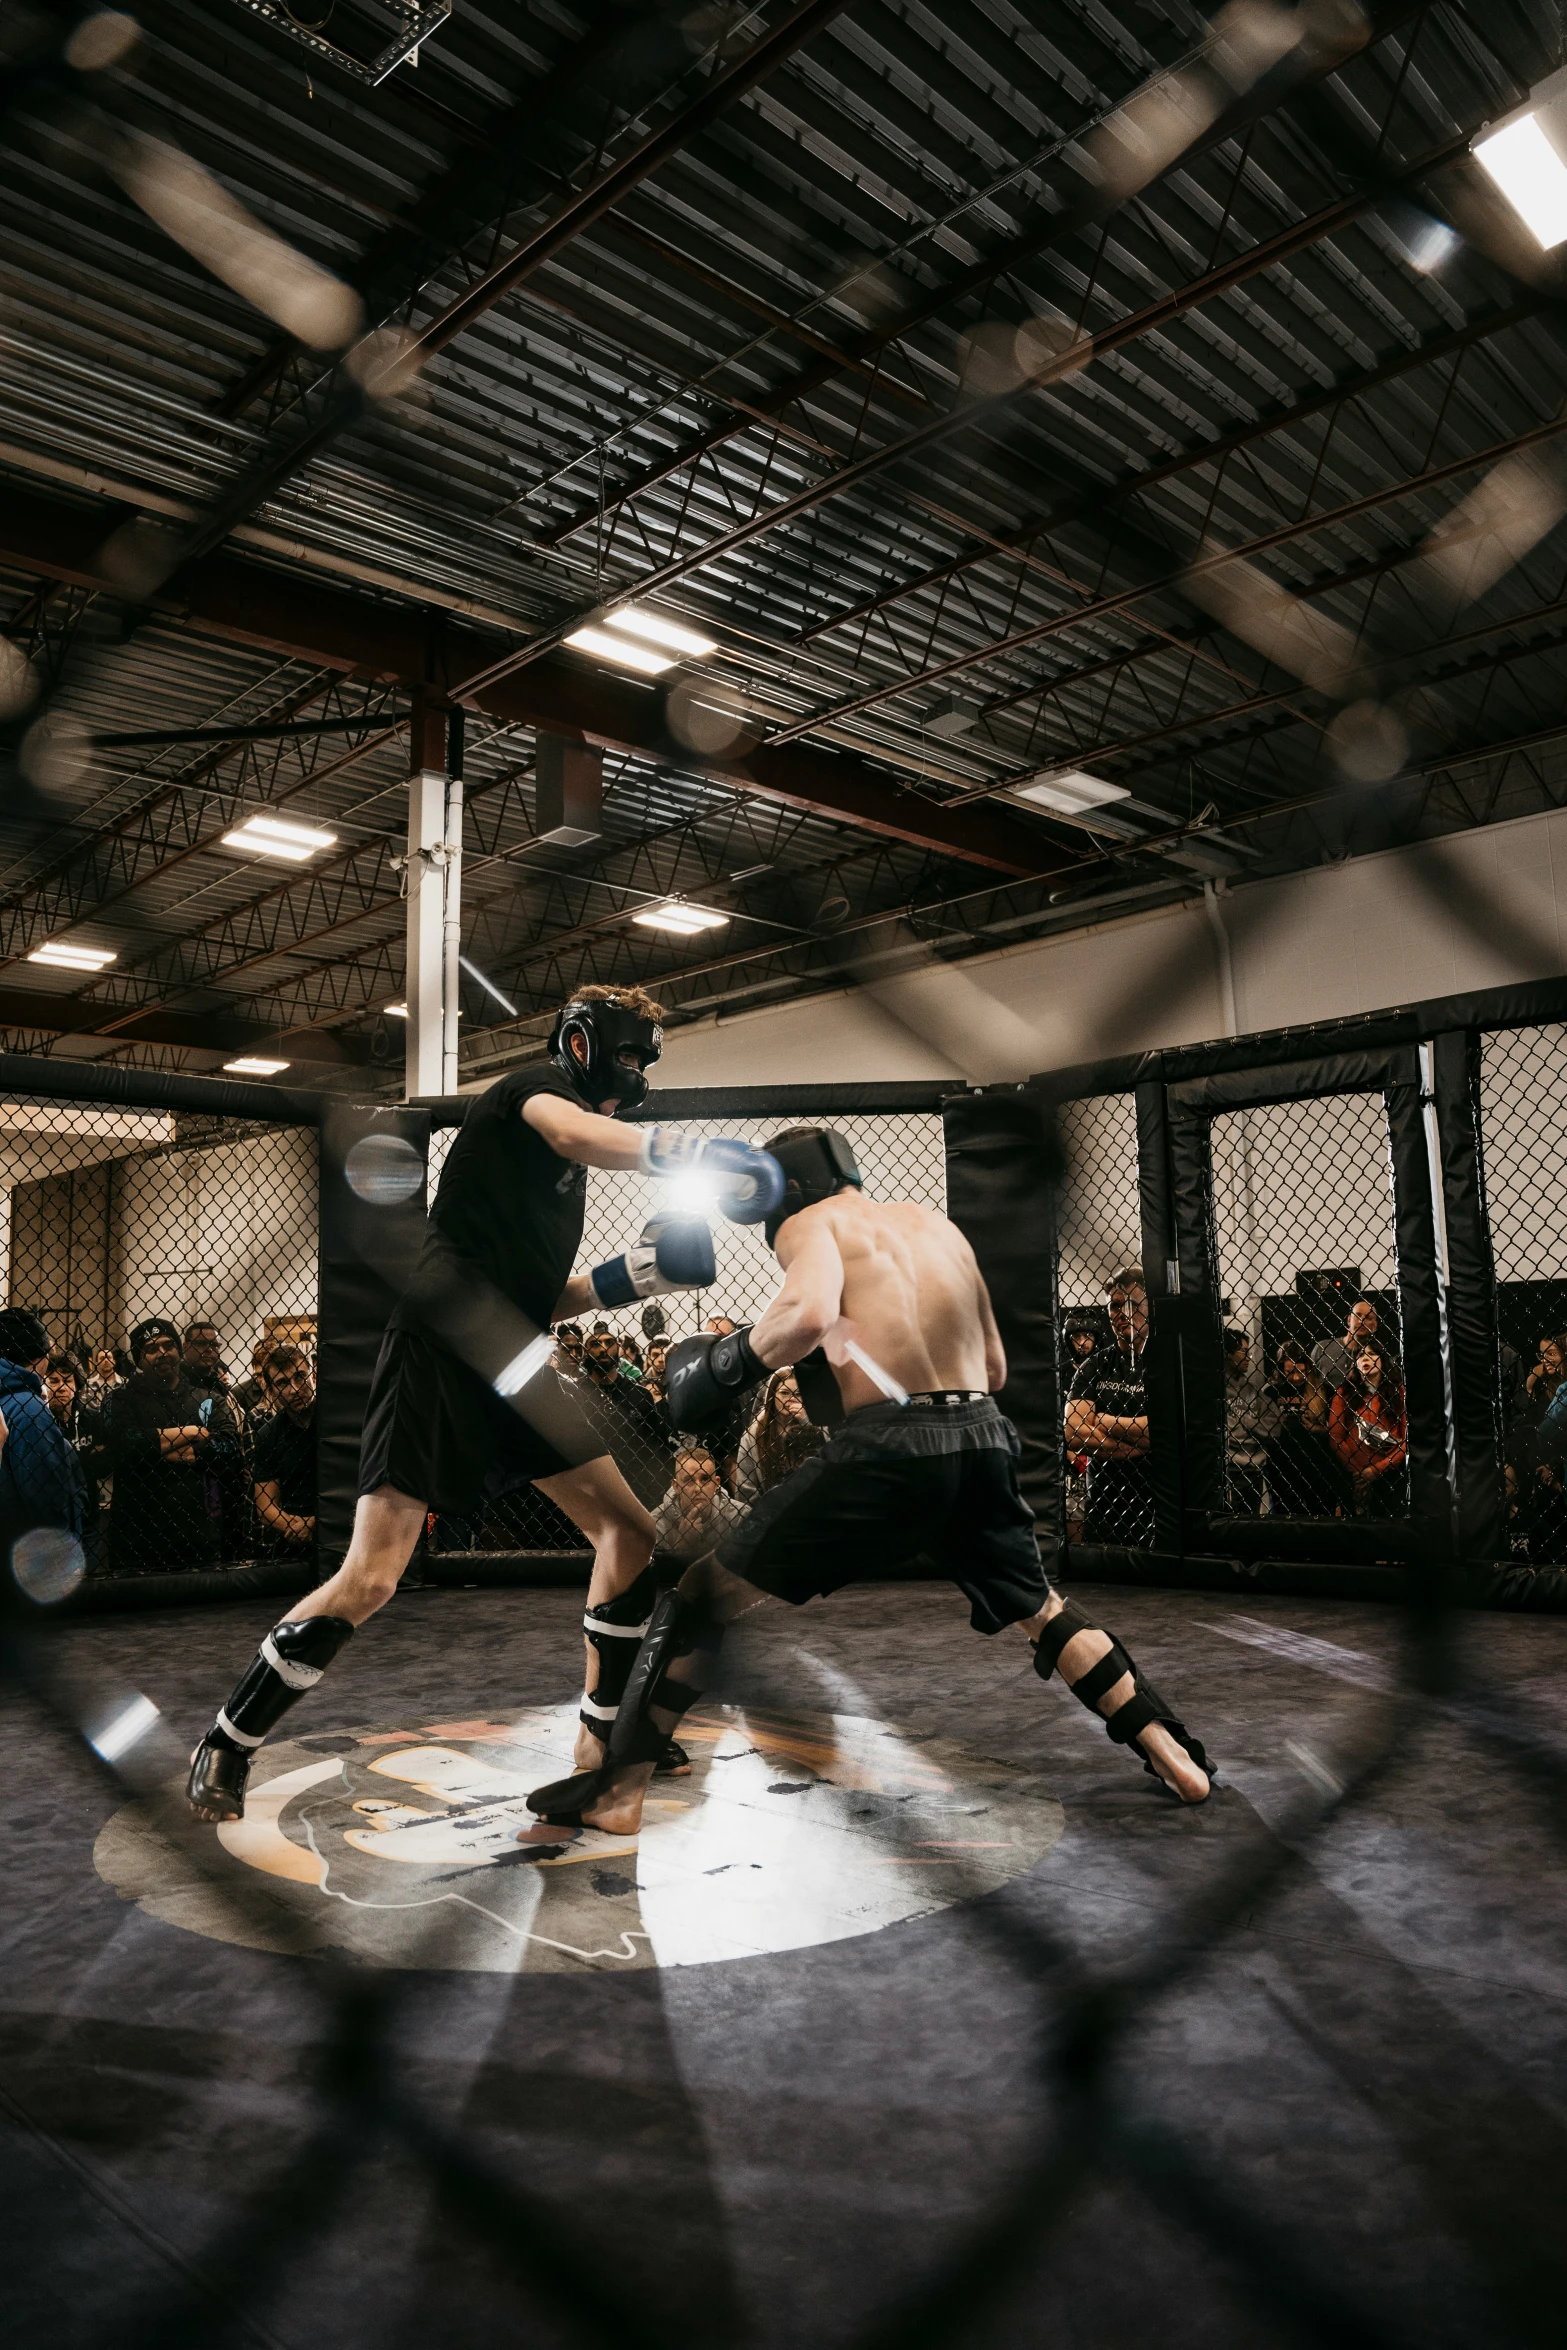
[563,1800]
[673,1763]
[215,1790]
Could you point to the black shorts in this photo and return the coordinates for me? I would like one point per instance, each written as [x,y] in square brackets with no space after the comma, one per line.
[441,1434]
[919,1491]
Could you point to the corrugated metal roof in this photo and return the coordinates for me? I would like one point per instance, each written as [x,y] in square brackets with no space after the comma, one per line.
[892,227]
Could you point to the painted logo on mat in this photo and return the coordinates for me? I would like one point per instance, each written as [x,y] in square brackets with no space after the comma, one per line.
[414,1847]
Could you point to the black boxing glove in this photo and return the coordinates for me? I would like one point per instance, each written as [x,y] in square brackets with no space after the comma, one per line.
[704,1376]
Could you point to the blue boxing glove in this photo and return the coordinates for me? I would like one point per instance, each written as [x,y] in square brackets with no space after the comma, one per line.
[674,1252]
[748,1183]
[705,1376]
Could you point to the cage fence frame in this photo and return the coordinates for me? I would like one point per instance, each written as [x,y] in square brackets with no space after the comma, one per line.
[1460,1080]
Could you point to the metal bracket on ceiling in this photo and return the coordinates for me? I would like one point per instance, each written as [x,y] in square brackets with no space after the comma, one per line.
[420,19]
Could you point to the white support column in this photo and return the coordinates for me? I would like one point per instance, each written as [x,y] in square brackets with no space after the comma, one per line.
[452,925]
[426,898]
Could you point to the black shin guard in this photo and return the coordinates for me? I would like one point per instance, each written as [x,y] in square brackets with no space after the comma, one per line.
[615,1629]
[290,1661]
[1145,1706]
[677,1627]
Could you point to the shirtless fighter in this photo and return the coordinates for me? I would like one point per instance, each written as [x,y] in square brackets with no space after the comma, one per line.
[507,1221]
[921,1462]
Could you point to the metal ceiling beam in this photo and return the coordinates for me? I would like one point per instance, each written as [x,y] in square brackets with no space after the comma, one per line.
[1305,526]
[1214,452]
[422,240]
[245,604]
[199,1031]
[1082,211]
[1151,319]
[602,194]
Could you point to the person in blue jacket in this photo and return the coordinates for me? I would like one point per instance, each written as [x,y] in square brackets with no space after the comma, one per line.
[42,1482]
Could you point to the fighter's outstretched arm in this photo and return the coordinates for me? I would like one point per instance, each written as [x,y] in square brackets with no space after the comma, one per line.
[582,1134]
[810,1300]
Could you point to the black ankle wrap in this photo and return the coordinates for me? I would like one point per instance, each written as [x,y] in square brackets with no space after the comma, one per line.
[1142,1709]
[1061,1628]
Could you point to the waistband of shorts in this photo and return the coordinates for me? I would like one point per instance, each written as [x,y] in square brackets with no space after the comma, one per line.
[937,1402]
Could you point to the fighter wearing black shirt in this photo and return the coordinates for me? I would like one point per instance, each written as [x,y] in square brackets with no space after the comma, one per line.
[1107,1417]
[506,1225]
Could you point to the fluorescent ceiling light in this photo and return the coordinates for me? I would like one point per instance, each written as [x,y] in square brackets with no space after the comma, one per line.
[659,631]
[248,1065]
[684,921]
[270,836]
[621,649]
[1526,156]
[63,955]
[1070,791]
[398,1011]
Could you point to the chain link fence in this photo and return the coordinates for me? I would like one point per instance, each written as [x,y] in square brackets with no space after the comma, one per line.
[1523,1114]
[1305,1248]
[171,1259]
[614,1359]
[1103,1321]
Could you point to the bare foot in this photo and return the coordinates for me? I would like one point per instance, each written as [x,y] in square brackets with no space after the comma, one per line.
[589,1751]
[1173,1764]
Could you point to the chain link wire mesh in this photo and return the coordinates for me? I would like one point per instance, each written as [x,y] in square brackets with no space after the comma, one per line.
[171,1447]
[1304,1234]
[1108,1498]
[614,1358]
[1523,1113]
[1092,2127]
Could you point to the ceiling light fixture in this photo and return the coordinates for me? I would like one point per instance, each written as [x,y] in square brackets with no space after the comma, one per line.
[622,649]
[62,955]
[398,1011]
[685,921]
[270,836]
[1069,791]
[250,1065]
[658,631]
[1526,155]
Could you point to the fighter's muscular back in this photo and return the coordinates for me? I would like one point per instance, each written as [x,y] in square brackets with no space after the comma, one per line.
[902,1282]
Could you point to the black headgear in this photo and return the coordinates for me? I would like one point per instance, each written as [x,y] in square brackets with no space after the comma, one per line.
[816,1162]
[605,1029]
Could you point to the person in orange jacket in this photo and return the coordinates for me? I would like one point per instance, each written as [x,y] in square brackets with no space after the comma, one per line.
[1368,1430]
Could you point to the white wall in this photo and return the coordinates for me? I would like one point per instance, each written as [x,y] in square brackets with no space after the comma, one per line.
[223,1231]
[1339,939]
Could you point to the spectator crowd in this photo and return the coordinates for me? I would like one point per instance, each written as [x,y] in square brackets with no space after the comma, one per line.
[1320,1431]
[150,1457]
[155,1458]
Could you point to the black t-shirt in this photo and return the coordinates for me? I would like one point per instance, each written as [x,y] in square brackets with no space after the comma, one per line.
[1119,1495]
[286,1457]
[508,1205]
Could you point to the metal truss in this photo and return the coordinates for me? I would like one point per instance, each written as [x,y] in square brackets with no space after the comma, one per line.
[176,822]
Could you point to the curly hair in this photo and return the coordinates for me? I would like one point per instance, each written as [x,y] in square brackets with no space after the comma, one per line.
[630,999]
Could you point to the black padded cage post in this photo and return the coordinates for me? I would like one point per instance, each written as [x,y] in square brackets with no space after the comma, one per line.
[1407,1159]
